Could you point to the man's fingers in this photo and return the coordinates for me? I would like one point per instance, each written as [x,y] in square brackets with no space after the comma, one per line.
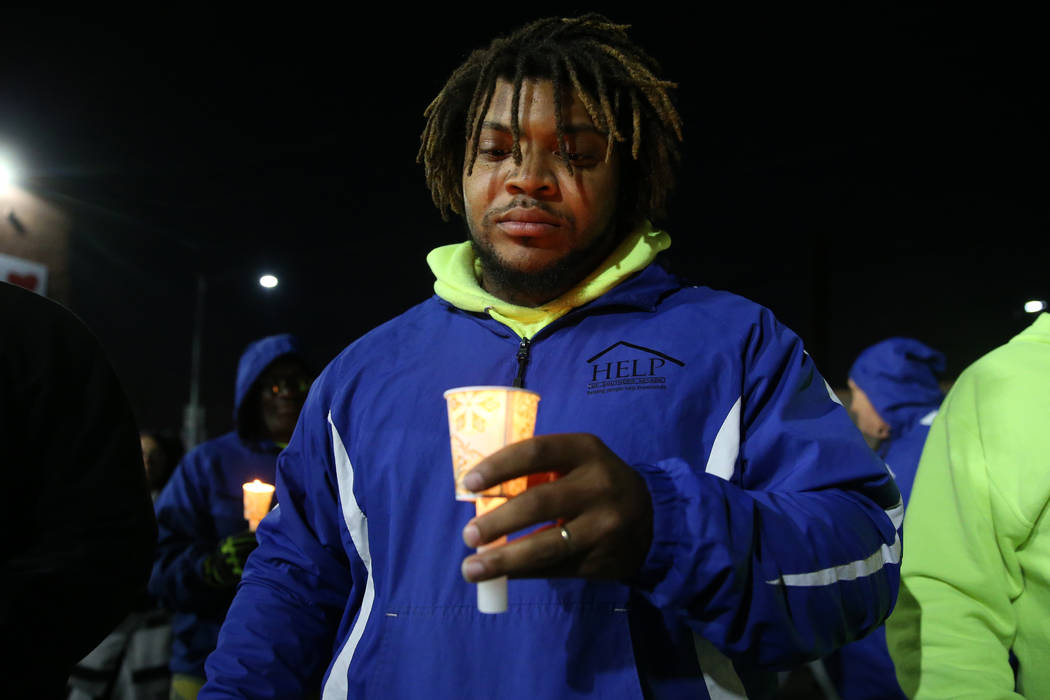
[543,453]
[563,549]
[604,500]
[559,499]
[546,552]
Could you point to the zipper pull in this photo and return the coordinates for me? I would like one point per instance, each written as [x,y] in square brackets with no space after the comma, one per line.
[523,361]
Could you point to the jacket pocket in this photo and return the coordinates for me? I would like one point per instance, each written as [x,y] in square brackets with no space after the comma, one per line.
[530,652]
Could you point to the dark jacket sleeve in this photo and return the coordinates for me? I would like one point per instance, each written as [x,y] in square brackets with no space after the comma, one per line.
[186,538]
[78,524]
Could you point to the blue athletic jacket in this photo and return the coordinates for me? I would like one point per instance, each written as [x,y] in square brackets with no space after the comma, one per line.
[200,505]
[775,527]
[899,375]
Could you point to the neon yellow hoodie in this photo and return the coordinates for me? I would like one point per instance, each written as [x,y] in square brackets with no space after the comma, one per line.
[455,268]
[975,577]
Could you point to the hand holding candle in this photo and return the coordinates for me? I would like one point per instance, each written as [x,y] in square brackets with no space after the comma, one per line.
[257,498]
[602,504]
[482,420]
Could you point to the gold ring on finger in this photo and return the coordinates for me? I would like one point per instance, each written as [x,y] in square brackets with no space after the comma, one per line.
[566,537]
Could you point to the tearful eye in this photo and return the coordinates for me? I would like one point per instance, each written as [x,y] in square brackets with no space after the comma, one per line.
[577,157]
[493,153]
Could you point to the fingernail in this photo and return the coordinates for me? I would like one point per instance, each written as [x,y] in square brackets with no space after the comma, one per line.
[472,535]
[472,481]
[473,569]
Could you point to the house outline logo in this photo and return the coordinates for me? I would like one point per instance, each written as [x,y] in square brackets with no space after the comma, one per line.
[629,374]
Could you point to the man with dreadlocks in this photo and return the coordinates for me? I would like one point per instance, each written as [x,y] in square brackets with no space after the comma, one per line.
[717,516]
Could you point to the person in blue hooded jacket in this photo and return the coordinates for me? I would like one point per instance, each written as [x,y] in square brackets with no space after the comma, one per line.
[716,516]
[895,397]
[204,539]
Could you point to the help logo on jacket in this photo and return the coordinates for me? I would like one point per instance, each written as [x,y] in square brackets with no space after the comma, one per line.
[625,366]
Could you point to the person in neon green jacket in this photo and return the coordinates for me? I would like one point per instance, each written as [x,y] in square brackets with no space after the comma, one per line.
[976,568]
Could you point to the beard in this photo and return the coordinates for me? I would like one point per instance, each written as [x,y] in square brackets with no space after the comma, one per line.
[548,282]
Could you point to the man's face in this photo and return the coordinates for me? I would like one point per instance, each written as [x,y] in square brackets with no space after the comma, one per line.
[537,228]
[865,416]
[283,388]
[152,456]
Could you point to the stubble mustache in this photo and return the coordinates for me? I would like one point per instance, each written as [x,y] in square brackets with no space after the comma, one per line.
[526,202]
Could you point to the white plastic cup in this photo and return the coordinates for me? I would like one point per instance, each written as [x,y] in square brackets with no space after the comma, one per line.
[257,498]
[482,420]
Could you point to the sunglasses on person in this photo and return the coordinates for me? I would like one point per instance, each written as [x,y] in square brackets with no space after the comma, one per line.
[292,385]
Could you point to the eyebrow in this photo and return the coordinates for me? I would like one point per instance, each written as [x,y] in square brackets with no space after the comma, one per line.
[568,129]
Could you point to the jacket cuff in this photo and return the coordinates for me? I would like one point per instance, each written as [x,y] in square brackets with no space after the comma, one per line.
[668,525]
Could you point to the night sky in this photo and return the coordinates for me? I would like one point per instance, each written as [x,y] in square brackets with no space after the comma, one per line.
[863,174]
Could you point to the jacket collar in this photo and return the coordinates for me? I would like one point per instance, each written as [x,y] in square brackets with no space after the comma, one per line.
[642,291]
[454,267]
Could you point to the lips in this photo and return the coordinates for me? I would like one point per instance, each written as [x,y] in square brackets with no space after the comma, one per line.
[528,223]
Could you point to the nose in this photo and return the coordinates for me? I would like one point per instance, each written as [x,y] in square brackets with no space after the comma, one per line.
[534,176]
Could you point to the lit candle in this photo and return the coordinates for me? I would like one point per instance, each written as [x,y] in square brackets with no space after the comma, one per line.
[492,594]
[481,421]
[257,497]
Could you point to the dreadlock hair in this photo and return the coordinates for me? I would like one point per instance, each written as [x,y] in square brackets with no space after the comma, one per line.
[614,79]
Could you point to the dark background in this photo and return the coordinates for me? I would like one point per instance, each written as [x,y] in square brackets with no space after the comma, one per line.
[864,173]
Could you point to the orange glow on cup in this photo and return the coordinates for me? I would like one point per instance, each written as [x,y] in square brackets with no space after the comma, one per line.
[482,420]
[257,498]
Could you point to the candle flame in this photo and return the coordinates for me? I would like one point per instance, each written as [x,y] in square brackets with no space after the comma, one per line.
[258,487]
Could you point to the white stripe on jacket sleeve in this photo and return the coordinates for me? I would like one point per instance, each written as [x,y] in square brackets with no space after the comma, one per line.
[722,463]
[717,668]
[726,447]
[886,554]
[336,688]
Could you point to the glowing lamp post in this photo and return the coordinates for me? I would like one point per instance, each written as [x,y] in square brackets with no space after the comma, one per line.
[193,415]
[7,176]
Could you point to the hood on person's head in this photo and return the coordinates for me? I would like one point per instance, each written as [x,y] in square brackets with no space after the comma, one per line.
[259,355]
[899,375]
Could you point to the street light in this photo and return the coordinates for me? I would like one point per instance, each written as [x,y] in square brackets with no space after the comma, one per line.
[8,173]
[8,168]
[1035,306]
[193,417]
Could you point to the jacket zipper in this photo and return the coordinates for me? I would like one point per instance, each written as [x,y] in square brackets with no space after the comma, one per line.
[523,361]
